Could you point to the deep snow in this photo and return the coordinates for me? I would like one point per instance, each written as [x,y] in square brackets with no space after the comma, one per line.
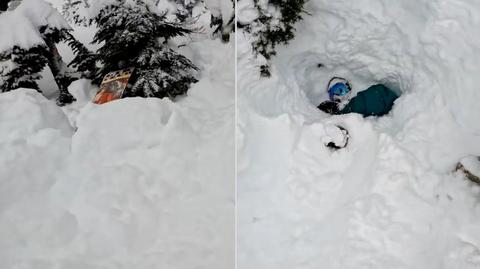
[135,183]
[390,199]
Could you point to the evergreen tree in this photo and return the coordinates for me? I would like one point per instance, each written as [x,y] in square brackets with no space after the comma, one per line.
[27,65]
[82,12]
[274,25]
[13,4]
[221,12]
[185,8]
[23,65]
[84,61]
[4,5]
[62,75]
[134,36]
[70,10]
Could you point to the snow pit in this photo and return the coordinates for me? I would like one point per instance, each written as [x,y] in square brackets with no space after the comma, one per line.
[390,199]
[313,79]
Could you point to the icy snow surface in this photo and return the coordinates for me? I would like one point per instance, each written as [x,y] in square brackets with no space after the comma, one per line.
[390,199]
[135,183]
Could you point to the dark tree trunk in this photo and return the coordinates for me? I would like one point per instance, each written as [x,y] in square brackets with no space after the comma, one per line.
[62,78]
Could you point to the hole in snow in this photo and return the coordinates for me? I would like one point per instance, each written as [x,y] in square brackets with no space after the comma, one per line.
[312,72]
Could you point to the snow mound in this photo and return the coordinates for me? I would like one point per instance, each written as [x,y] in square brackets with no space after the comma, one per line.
[390,199]
[25,113]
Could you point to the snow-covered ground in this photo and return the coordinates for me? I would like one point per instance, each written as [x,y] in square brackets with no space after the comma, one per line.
[390,199]
[135,183]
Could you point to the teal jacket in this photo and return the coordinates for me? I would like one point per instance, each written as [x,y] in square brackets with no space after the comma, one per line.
[375,101]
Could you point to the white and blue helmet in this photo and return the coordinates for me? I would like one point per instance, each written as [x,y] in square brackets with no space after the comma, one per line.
[338,89]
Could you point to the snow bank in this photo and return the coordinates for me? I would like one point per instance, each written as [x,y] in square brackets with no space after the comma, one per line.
[141,183]
[390,199]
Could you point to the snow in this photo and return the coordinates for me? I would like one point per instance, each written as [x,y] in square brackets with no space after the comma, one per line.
[134,183]
[20,27]
[25,105]
[472,164]
[20,32]
[247,12]
[221,7]
[84,92]
[35,138]
[390,199]
[87,10]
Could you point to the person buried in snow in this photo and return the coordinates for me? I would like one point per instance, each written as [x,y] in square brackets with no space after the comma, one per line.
[377,100]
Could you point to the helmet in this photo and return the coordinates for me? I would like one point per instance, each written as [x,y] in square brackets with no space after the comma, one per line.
[338,89]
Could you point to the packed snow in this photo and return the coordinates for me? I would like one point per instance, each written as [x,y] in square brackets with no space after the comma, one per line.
[134,183]
[391,198]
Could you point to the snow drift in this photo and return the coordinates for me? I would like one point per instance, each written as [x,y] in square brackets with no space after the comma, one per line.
[390,199]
